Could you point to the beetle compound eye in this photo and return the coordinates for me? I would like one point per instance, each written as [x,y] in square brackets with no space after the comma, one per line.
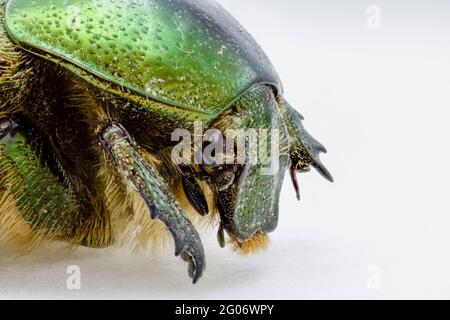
[225,180]
[6,125]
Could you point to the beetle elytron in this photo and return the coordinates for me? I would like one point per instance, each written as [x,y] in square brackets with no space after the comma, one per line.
[90,92]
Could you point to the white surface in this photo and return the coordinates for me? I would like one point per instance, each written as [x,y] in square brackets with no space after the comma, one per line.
[380,102]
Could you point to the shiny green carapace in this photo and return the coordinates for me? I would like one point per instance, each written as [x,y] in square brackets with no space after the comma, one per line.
[190,54]
[92,96]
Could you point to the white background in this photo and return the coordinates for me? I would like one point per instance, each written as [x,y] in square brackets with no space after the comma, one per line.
[380,101]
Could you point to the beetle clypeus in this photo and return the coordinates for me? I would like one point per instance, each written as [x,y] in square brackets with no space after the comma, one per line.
[91,91]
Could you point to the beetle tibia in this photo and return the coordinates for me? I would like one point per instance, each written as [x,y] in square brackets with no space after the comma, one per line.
[151,186]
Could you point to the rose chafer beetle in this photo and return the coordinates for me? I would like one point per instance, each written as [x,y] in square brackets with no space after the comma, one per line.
[90,93]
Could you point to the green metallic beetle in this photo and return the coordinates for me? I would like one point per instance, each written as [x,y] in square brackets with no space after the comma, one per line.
[91,92]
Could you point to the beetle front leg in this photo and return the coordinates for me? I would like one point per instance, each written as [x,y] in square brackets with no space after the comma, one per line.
[146,179]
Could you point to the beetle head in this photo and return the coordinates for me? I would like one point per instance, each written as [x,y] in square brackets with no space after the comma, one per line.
[248,188]
[268,137]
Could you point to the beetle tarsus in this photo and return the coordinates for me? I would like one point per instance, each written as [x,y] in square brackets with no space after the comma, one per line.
[196,261]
